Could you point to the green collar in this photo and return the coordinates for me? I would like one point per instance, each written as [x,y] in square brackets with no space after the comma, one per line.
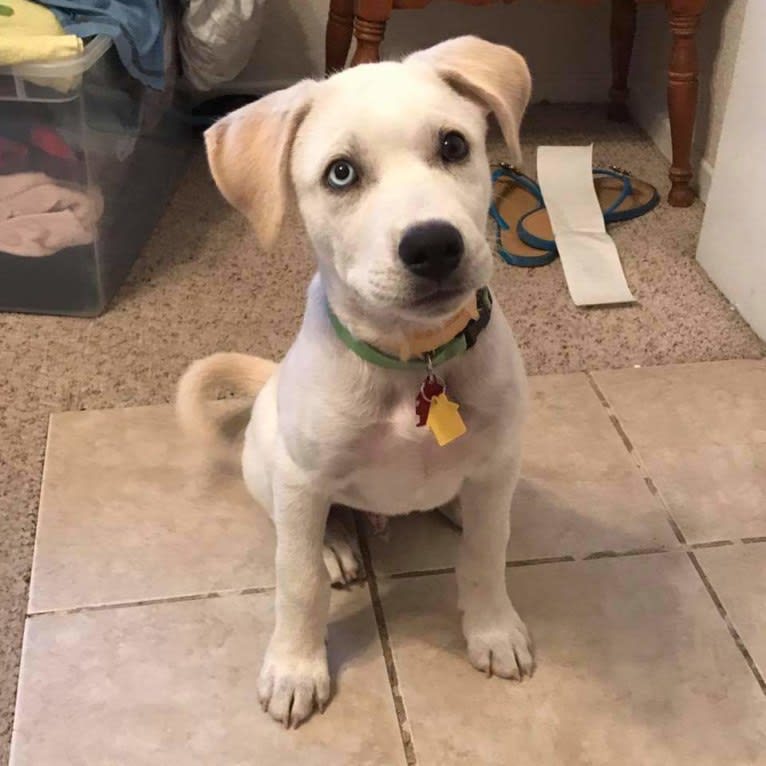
[458,345]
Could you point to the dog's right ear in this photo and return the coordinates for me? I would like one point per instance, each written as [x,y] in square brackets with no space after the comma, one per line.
[249,155]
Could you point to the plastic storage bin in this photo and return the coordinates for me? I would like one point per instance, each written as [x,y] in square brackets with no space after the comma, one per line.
[90,157]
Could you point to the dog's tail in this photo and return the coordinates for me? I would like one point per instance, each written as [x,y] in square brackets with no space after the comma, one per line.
[204,379]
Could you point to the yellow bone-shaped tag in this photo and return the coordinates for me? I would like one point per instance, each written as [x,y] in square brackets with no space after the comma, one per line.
[444,420]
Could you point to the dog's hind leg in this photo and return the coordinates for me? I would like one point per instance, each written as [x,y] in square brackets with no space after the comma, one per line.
[340,556]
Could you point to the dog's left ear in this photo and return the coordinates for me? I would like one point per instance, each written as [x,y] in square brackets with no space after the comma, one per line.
[494,75]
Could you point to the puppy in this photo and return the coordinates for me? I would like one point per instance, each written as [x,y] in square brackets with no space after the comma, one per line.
[387,163]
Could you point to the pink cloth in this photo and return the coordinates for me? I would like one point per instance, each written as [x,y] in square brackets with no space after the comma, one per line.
[40,216]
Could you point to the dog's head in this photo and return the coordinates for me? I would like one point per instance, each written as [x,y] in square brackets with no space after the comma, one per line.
[388,165]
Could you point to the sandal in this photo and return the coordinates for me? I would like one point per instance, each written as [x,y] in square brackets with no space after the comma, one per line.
[620,196]
[515,196]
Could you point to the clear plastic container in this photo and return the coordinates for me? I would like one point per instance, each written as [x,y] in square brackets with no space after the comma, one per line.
[89,157]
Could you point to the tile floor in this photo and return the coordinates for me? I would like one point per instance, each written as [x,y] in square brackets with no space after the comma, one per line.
[638,560]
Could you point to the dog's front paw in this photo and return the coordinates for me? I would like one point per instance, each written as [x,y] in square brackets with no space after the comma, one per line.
[290,688]
[500,646]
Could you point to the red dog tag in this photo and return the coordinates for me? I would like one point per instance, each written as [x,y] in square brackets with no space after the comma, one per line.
[429,388]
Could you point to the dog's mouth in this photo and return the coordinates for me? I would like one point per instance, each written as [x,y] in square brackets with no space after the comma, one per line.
[441,296]
[439,301]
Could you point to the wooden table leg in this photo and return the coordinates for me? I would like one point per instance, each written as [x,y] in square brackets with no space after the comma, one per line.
[622,31]
[369,28]
[340,23]
[682,95]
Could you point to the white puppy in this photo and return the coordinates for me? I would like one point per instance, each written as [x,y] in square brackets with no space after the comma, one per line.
[388,165]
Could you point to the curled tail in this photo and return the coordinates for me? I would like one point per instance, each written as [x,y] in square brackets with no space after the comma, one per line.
[204,379]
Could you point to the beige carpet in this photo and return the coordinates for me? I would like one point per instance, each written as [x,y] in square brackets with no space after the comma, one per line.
[200,288]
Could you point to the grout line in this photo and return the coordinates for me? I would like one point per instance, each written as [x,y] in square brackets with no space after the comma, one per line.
[535,562]
[668,515]
[385,643]
[153,601]
[725,617]
[636,456]
[631,552]
[652,487]
[684,548]
[594,556]
[514,563]
[421,573]
[621,431]
[599,393]
[713,544]
[508,565]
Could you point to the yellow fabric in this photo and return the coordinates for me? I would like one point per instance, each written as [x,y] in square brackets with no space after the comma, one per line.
[33,33]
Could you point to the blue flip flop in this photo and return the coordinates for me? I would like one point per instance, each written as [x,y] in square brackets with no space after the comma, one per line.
[621,197]
[514,196]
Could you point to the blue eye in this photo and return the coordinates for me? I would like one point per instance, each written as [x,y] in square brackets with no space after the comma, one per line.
[341,174]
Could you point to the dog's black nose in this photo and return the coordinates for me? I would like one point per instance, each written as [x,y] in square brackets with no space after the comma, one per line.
[432,249]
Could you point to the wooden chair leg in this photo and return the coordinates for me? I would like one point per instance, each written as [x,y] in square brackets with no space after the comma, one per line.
[340,23]
[369,29]
[623,32]
[682,95]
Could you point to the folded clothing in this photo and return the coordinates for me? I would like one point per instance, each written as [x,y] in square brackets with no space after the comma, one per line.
[136,26]
[30,32]
[40,216]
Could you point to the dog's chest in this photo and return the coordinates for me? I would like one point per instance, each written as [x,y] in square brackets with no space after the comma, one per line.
[399,467]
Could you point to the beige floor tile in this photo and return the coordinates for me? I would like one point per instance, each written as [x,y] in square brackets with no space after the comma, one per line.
[714,492]
[738,574]
[174,683]
[685,404]
[127,513]
[580,491]
[635,666]
[701,432]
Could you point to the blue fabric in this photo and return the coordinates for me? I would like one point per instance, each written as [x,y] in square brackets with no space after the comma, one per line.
[136,26]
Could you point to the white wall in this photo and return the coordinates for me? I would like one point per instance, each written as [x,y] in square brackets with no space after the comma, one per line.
[567,47]
[731,247]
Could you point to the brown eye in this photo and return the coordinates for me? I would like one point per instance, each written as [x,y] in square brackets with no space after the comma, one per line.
[453,147]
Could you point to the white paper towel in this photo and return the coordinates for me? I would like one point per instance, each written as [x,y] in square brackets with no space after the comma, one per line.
[588,254]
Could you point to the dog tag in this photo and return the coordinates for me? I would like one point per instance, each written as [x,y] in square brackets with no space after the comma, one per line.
[429,388]
[444,420]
